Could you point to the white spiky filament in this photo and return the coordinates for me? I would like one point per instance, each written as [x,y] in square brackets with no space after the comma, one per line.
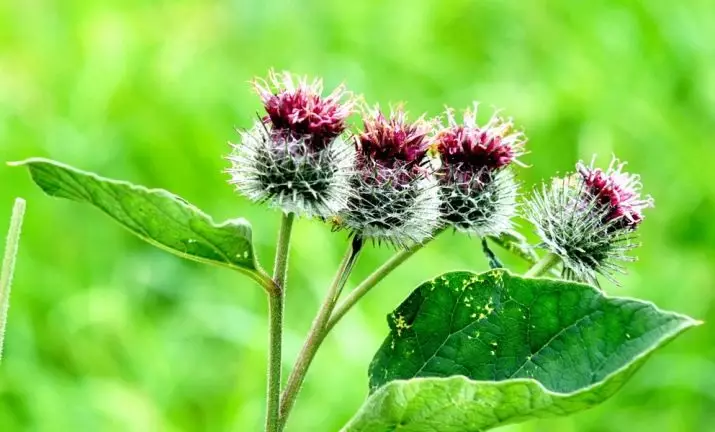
[385,210]
[573,225]
[483,207]
[619,190]
[291,176]
[496,126]
[477,186]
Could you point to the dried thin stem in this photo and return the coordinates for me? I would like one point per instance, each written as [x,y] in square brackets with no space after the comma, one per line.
[8,264]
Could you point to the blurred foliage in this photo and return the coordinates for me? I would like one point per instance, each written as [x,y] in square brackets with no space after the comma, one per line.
[107,333]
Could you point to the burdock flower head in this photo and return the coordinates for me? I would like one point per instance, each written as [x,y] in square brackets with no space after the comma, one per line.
[477,188]
[394,197]
[589,219]
[295,157]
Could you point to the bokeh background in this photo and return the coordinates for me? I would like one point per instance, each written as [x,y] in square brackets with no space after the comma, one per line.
[108,334]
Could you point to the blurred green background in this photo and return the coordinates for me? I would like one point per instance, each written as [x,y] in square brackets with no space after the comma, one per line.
[107,333]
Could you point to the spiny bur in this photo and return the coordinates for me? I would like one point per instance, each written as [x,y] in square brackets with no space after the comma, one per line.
[295,158]
[394,197]
[589,219]
[477,187]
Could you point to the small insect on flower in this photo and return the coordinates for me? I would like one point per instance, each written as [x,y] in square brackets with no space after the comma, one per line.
[295,157]
[394,196]
[476,185]
[589,220]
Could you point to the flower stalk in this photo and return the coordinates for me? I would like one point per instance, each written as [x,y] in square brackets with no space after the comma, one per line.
[318,330]
[375,278]
[276,299]
[543,265]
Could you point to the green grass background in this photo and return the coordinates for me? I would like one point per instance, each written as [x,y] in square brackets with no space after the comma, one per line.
[108,334]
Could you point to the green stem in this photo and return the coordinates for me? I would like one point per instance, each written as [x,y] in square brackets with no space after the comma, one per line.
[276,298]
[375,278]
[317,331]
[8,264]
[543,265]
[358,293]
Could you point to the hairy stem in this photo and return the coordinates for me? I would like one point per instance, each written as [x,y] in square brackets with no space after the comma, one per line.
[317,330]
[543,265]
[8,264]
[275,300]
[263,279]
[375,278]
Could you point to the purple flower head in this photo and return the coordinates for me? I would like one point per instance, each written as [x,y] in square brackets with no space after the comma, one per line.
[392,141]
[471,149]
[296,158]
[297,110]
[394,197]
[478,191]
[589,219]
[616,192]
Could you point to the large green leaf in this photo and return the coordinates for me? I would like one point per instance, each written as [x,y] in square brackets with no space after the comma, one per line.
[155,215]
[469,352]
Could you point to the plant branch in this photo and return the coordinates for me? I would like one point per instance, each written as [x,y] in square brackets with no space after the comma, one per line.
[543,265]
[276,298]
[8,264]
[375,278]
[318,330]
[263,279]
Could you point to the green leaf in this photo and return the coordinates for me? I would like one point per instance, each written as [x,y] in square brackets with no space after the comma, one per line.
[155,215]
[470,352]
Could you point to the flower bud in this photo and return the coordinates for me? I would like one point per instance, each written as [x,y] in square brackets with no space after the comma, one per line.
[295,158]
[477,188]
[394,197]
[589,220]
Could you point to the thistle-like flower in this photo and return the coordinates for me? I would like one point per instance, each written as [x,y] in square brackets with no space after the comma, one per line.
[295,157]
[589,220]
[394,197]
[477,188]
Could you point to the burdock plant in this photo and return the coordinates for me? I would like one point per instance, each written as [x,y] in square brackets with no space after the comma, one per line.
[465,351]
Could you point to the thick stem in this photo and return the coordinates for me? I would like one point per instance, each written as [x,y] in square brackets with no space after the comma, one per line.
[275,304]
[8,264]
[275,301]
[543,265]
[317,331]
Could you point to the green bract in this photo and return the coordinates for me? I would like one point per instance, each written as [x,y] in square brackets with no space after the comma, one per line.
[155,215]
[469,352]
